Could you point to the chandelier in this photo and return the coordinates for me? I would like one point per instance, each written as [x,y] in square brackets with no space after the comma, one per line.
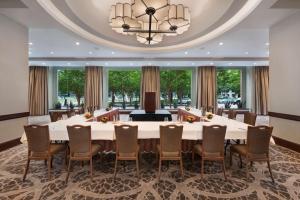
[149,20]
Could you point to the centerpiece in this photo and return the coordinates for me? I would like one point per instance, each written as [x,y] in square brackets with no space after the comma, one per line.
[87,115]
[187,108]
[209,115]
[190,119]
[104,119]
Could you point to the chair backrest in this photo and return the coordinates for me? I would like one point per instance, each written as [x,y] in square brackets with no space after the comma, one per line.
[258,139]
[220,111]
[210,109]
[38,138]
[213,140]
[250,118]
[70,113]
[80,141]
[55,116]
[126,139]
[232,114]
[170,138]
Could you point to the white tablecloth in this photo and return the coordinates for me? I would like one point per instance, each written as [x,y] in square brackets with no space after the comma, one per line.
[146,130]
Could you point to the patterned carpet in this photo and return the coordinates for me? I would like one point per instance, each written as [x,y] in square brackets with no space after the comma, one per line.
[285,165]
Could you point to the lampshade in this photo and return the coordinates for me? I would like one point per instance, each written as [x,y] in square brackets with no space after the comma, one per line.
[121,18]
[178,20]
[149,20]
[154,37]
[157,8]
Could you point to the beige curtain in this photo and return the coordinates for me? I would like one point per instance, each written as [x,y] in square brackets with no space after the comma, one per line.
[261,82]
[206,87]
[38,90]
[150,82]
[93,92]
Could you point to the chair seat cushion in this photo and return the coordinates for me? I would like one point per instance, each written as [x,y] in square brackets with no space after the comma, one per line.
[174,154]
[95,149]
[242,149]
[239,148]
[129,154]
[199,150]
[55,148]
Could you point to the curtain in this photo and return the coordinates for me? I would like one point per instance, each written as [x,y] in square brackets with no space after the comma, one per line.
[150,82]
[206,87]
[93,92]
[261,82]
[38,90]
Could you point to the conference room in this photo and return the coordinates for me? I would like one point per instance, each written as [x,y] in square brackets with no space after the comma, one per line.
[149,99]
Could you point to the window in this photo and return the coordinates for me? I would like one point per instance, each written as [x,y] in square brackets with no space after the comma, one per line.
[124,88]
[175,87]
[70,87]
[229,88]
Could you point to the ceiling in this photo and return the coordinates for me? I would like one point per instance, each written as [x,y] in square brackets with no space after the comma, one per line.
[54,43]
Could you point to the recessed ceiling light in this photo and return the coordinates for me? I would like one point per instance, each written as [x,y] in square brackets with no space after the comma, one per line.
[30,43]
[246,52]
[51,52]
[221,43]
[208,52]
[267,44]
[186,53]
[90,52]
[77,43]
[112,52]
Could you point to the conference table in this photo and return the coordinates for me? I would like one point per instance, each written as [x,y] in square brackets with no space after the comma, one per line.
[148,132]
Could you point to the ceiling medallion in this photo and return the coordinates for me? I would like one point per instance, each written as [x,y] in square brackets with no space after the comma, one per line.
[149,20]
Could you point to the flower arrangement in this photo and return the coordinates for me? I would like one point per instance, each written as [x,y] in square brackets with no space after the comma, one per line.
[190,119]
[108,108]
[209,115]
[87,115]
[104,119]
[187,108]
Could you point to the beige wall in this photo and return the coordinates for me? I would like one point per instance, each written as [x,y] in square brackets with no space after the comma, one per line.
[13,76]
[285,76]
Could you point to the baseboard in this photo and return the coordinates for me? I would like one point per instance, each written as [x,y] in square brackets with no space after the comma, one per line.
[287,144]
[9,144]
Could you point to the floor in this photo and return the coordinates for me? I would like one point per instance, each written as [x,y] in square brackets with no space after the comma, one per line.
[285,165]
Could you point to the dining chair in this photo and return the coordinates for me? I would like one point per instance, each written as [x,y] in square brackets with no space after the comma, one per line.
[232,114]
[250,118]
[40,146]
[220,111]
[70,113]
[256,148]
[81,147]
[169,147]
[127,147]
[210,109]
[212,147]
[55,116]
